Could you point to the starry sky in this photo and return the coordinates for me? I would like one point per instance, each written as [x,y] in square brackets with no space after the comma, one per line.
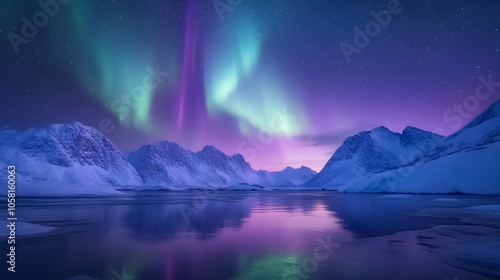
[264,78]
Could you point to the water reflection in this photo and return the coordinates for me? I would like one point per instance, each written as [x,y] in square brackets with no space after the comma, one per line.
[272,266]
[377,215]
[232,235]
[163,219]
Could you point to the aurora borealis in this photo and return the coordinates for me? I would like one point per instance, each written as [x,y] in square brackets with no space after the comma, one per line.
[268,81]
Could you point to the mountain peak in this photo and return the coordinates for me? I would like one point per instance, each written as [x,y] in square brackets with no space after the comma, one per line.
[493,111]
[74,124]
[209,167]
[212,151]
[71,128]
[373,151]
[303,167]
[68,152]
[382,135]
[167,143]
[381,129]
[304,170]
[210,148]
[288,168]
[382,132]
[238,158]
[416,136]
[163,145]
[412,131]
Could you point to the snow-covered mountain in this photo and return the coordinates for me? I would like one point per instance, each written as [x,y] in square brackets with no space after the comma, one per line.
[72,159]
[292,176]
[65,158]
[374,151]
[417,161]
[168,165]
[75,159]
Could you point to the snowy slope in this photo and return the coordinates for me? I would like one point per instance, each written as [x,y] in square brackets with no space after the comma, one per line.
[466,161]
[483,129]
[65,159]
[373,151]
[168,165]
[292,176]
[472,171]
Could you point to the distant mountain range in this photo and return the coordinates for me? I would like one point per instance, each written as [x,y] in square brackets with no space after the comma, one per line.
[76,159]
[66,159]
[167,164]
[418,161]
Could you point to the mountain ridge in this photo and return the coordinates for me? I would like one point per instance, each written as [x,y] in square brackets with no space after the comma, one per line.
[72,158]
[470,154]
[158,165]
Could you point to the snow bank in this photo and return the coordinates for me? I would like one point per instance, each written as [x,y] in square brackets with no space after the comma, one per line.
[492,208]
[397,196]
[26,187]
[246,187]
[446,199]
[471,171]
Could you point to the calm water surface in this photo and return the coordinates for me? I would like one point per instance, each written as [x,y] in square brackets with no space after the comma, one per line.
[241,235]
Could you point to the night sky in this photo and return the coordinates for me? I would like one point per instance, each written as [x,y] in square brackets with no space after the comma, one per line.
[265,78]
